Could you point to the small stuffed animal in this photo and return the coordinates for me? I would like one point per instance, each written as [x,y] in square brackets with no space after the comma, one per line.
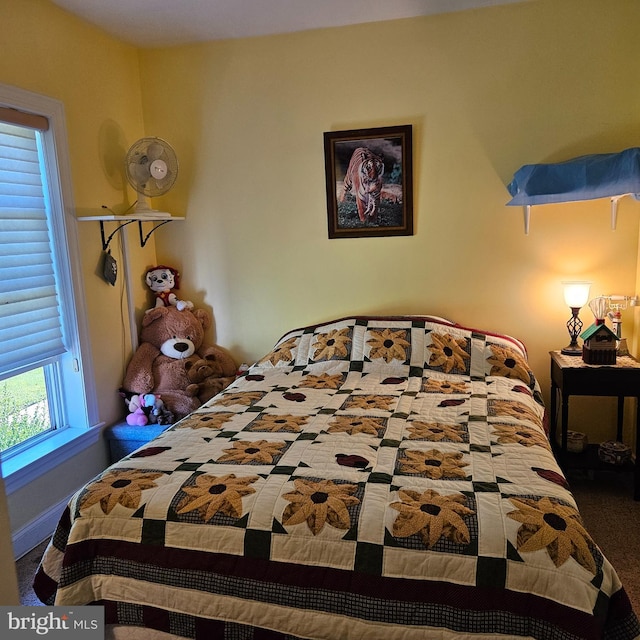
[212,374]
[154,408]
[145,409]
[162,280]
[137,417]
[171,341]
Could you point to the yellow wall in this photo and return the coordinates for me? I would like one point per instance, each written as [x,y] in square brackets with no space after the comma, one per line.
[486,91]
[47,51]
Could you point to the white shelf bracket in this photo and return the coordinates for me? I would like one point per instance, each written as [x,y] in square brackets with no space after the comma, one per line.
[614,212]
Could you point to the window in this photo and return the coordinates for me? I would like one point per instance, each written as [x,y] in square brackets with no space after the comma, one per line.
[47,399]
[24,409]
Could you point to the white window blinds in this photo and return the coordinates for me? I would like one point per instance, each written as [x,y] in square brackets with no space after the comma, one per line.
[30,324]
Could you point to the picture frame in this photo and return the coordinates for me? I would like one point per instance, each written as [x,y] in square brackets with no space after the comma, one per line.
[369,182]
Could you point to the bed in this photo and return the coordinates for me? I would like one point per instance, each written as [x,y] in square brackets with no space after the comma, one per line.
[369,477]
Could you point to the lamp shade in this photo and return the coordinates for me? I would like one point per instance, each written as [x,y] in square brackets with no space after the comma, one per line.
[576,293]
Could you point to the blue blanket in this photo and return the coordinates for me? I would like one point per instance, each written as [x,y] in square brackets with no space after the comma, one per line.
[584,178]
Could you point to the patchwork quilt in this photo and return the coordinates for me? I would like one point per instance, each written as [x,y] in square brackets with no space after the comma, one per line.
[368,478]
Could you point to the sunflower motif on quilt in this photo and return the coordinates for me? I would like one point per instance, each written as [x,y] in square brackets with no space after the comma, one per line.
[370,401]
[119,486]
[432,516]
[519,434]
[436,431]
[333,345]
[245,398]
[433,385]
[216,494]
[508,363]
[259,452]
[353,425]
[275,422]
[213,420]
[554,527]
[388,344]
[508,408]
[448,352]
[322,381]
[434,464]
[319,503]
[282,353]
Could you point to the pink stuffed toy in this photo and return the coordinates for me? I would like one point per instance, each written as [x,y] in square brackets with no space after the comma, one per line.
[137,417]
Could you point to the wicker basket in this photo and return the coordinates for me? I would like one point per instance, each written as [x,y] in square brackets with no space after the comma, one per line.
[576,441]
[614,452]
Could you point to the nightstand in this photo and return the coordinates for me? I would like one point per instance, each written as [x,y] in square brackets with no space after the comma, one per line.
[571,376]
[124,439]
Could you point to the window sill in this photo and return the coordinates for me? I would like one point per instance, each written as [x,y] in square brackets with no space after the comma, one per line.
[25,467]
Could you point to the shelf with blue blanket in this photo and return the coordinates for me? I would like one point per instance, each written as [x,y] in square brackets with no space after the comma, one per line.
[589,177]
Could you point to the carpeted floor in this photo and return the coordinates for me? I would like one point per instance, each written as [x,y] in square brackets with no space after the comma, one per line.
[605,500]
[26,568]
[612,517]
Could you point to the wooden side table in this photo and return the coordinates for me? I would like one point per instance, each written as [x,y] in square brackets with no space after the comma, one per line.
[571,376]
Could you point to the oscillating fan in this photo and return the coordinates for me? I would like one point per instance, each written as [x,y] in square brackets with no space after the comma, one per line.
[152,168]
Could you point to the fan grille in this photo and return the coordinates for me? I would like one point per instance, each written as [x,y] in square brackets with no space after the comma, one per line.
[151,166]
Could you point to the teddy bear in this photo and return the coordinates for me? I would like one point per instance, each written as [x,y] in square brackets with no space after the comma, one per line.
[171,342]
[162,280]
[212,374]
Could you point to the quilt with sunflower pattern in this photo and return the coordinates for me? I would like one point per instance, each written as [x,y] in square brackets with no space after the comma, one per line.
[368,478]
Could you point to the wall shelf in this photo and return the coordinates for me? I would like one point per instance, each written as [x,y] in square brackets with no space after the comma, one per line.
[590,177]
[157,218]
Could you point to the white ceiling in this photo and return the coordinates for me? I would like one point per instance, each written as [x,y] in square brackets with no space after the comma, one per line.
[155,23]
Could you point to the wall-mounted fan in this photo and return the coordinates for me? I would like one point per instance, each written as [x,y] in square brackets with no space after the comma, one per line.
[152,168]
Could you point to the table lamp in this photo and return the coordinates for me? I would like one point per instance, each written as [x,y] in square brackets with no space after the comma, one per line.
[576,295]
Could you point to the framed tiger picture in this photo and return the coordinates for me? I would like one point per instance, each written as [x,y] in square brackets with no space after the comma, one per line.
[369,182]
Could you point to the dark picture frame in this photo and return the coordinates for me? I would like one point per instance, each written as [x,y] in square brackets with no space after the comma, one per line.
[369,181]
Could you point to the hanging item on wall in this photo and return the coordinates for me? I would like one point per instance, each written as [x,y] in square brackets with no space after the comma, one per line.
[369,181]
[109,268]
